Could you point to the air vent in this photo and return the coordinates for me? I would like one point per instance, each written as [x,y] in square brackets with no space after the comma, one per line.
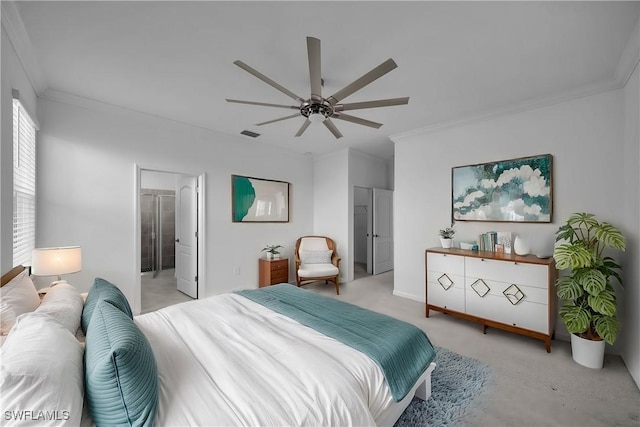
[249,133]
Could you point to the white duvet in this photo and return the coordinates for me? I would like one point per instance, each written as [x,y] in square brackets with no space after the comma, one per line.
[226,360]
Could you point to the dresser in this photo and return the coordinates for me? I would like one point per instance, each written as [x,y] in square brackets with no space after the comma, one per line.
[505,291]
[273,271]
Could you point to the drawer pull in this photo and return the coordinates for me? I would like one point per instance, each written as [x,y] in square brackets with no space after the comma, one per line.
[445,282]
[514,294]
[480,288]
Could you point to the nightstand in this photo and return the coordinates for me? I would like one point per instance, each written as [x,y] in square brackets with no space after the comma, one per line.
[273,271]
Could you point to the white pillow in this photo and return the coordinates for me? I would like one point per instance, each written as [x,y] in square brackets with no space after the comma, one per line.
[7,318]
[316,257]
[64,303]
[19,296]
[42,377]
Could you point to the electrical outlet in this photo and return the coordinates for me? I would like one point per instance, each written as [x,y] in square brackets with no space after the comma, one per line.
[236,271]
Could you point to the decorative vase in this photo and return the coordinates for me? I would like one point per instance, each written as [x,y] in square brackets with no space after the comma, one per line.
[587,352]
[521,246]
[446,243]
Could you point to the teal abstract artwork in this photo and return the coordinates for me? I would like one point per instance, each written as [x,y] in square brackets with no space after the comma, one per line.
[516,190]
[259,200]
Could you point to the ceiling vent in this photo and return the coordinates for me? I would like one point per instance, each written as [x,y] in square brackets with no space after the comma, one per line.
[249,133]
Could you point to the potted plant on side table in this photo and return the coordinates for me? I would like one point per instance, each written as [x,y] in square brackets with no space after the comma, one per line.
[446,236]
[589,310]
[273,251]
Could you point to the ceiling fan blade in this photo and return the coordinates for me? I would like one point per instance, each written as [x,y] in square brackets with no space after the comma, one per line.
[332,127]
[277,120]
[357,120]
[263,104]
[369,77]
[371,104]
[315,73]
[304,127]
[268,81]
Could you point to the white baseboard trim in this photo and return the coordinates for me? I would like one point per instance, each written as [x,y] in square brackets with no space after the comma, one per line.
[409,296]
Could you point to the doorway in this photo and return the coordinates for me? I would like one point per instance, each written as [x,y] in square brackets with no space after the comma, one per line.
[372,231]
[169,219]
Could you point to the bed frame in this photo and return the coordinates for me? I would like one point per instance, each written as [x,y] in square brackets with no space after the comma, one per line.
[6,278]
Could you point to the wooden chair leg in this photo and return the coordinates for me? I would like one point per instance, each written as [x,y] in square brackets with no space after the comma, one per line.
[337,286]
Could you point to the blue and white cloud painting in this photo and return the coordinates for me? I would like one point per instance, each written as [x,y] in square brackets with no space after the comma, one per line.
[517,190]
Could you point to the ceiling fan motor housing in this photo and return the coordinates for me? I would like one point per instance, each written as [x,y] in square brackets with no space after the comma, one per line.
[323,108]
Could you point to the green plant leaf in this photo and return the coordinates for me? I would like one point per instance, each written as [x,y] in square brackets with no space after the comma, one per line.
[607,328]
[582,219]
[576,318]
[565,232]
[610,236]
[568,289]
[603,303]
[591,280]
[568,255]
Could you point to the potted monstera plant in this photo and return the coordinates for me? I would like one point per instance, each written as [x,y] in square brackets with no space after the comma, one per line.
[589,310]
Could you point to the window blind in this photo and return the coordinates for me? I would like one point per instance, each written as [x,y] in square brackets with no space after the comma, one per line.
[24,185]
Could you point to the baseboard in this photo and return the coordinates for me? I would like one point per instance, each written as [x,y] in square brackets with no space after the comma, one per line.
[409,296]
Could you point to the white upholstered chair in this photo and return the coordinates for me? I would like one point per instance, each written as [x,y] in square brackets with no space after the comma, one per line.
[316,259]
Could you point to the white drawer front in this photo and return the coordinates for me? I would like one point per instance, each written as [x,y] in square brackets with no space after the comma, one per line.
[508,272]
[531,293]
[450,264]
[452,299]
[527,315]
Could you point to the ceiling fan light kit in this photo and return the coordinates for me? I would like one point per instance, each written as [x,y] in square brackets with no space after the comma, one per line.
[316,108]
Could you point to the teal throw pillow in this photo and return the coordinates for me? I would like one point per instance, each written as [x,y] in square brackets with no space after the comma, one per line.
[121,377]
[103,289]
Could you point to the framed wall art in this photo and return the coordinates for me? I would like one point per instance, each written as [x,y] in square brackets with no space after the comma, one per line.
[259,200]
[515,190]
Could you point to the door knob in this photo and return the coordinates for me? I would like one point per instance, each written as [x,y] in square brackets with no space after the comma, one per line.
[177,240]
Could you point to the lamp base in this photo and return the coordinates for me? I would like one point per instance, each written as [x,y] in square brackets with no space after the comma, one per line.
[57,282]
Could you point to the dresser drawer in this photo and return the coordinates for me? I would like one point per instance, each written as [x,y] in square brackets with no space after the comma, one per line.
[452,298]
[450,264]
[525,314]
[508,272]
[281,264]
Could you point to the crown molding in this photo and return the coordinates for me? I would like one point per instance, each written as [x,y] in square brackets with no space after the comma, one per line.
[589,90]
[630,57]
[19,39]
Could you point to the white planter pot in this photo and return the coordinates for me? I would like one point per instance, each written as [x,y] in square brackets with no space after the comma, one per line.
[269,255]
[587,353]
[446,243]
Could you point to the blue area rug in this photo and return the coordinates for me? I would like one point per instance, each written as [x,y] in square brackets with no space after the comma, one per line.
[455,382]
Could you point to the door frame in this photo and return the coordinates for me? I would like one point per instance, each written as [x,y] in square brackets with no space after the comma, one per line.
[137,264]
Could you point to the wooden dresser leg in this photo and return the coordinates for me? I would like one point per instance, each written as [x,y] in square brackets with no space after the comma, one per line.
[547,344]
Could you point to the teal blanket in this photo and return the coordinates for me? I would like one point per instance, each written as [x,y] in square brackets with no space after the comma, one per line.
[400,349]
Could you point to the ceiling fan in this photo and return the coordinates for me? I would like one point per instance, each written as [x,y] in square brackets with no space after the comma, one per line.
[325,109]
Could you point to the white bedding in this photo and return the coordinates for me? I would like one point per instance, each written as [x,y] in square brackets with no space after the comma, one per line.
[226,360]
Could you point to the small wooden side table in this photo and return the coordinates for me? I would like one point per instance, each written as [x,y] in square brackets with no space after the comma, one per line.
[273,271]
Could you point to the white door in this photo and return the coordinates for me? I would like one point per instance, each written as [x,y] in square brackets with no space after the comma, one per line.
[382,230]
[187,235]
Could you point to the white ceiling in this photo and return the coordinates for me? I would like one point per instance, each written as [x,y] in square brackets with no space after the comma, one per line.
[456,60]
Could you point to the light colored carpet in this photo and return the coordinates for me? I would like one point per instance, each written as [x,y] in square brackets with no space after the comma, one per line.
[161,291]
[529,387]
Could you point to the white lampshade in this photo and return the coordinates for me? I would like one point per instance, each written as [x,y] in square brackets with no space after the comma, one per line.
[56,261]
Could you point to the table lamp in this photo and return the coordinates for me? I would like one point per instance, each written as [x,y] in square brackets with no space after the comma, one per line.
[56,262]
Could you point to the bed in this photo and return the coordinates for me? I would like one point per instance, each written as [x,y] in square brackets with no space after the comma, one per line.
[254,357]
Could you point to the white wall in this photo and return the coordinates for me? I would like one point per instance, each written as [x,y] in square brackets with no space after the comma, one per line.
[156,180]
[630,336]
[13,77]
[331,203]
[86,179]
[585,137]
